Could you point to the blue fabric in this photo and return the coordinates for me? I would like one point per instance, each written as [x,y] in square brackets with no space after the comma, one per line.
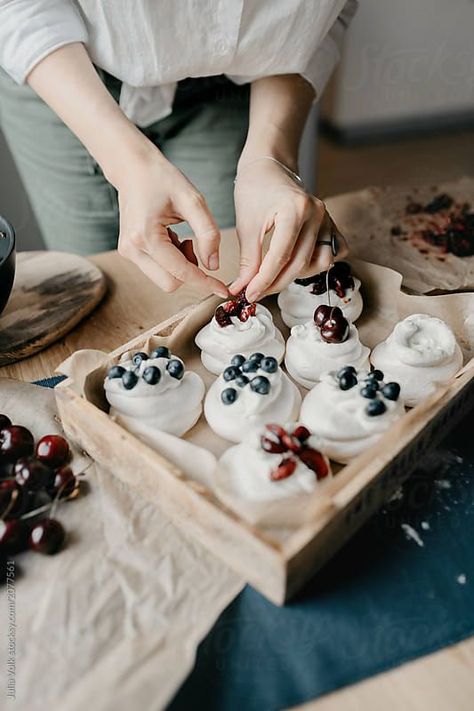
[383,600]
[50,382]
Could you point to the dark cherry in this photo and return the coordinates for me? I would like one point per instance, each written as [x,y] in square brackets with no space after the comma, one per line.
[321,315]
[64,483]
[175,368]
[222,317]
[229,396]
[231,373]
[4,422]
[336,328]
[152,375]
[260,385]
[237,360]
[247,312]
[315,461]
[24,500]
[232,308]
[284,469]
[242,381]
[47,536]
[6,469]
[347,381]
[116,371]
[375,407]
[13,536]
[269,364]
[53,450]
[138,358]
[161,352]
[129,379]
[15,442]
[32,474]
[302,433]
[391,391]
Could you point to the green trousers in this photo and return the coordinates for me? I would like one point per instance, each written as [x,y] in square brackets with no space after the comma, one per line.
[76,208]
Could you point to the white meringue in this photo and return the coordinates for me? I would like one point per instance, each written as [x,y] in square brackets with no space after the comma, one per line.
[246,470]
[171,405]
[420,353]
[298,304]
[251,409]
[308,356]
[339,417]
[258,334]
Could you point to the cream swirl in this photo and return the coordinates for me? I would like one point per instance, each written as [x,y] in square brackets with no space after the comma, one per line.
[308,355]
[247,469]
[341,417]
[421,353]
[172,405]
[218,344]
[236,419]
[298,303]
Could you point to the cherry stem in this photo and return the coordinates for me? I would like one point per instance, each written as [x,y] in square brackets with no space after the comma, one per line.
[11,503]
[328,291]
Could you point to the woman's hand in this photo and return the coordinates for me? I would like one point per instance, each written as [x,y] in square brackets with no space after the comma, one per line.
[267,198]
[153,194]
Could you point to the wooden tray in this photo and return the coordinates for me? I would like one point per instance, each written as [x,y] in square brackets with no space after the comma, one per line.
[276,565]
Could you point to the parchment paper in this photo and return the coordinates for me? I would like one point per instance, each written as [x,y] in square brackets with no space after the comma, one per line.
[113,621]
[384,305]
[366,218]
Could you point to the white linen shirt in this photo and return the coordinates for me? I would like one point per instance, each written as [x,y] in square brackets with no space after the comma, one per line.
[152,44]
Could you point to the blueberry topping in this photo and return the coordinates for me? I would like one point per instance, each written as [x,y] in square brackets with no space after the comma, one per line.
[175,368]
[152,375]
[129,379]
[231,373]
[375,407]
[260,385]
[345,370]
[369,392]
[372,383]
[391,391]
[139,357]
[237,360]
[161,352]
[269,364]
[229,395]
[347,380]
[250,366]
[242,381]
[256,357]
[116,371]
[377,374]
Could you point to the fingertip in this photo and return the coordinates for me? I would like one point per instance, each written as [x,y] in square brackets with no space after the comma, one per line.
[213,262]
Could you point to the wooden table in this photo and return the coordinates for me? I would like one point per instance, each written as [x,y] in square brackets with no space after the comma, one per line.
[439,682]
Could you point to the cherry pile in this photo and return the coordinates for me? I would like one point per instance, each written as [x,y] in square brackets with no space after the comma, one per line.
[33,478]
[339,279]
[239,307]
[293,447]
[333,326]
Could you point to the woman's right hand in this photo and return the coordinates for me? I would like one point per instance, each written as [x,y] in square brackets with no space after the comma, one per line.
[154,194]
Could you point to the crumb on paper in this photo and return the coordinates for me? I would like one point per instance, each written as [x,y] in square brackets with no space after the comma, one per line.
[410,533]
[425,525]
[462,579]
[443,483]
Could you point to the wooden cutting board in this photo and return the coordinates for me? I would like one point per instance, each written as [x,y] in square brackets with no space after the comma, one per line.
[52,292]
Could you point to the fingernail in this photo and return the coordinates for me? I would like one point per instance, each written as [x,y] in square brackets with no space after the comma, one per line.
[252,295]
[214,261]
[221,292]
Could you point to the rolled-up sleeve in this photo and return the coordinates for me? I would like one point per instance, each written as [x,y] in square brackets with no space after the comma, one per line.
[32,29]
[328,53]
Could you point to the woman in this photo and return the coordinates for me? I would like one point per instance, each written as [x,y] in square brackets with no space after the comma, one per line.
[126,118]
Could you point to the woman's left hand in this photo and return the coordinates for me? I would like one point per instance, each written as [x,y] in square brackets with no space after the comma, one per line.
[267,198]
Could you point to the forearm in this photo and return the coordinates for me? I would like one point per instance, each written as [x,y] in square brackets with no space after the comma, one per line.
[279,107]
[68,82]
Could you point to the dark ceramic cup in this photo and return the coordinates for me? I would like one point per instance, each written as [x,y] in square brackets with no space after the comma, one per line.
[7,261]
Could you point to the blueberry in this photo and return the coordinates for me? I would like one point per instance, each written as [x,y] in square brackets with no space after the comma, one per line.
[377,374]
[256,357]
[229,395]
[269,364]
[345,370]
[347,380]
[372,383]
[260,385]
[250,366]
[391,391]
[139,357]
[152,375]
[231,373]
[129,379]
[237,360]
[369,392]
[242,381]
[175,368]
[375,407]
[116,371]
[161,352]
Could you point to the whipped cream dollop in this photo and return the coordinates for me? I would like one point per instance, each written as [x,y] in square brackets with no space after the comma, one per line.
[349,410]
[309,356]
[248,470]
[298,302]
[258,333]
[167,399]
[248,394]
[421,353]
